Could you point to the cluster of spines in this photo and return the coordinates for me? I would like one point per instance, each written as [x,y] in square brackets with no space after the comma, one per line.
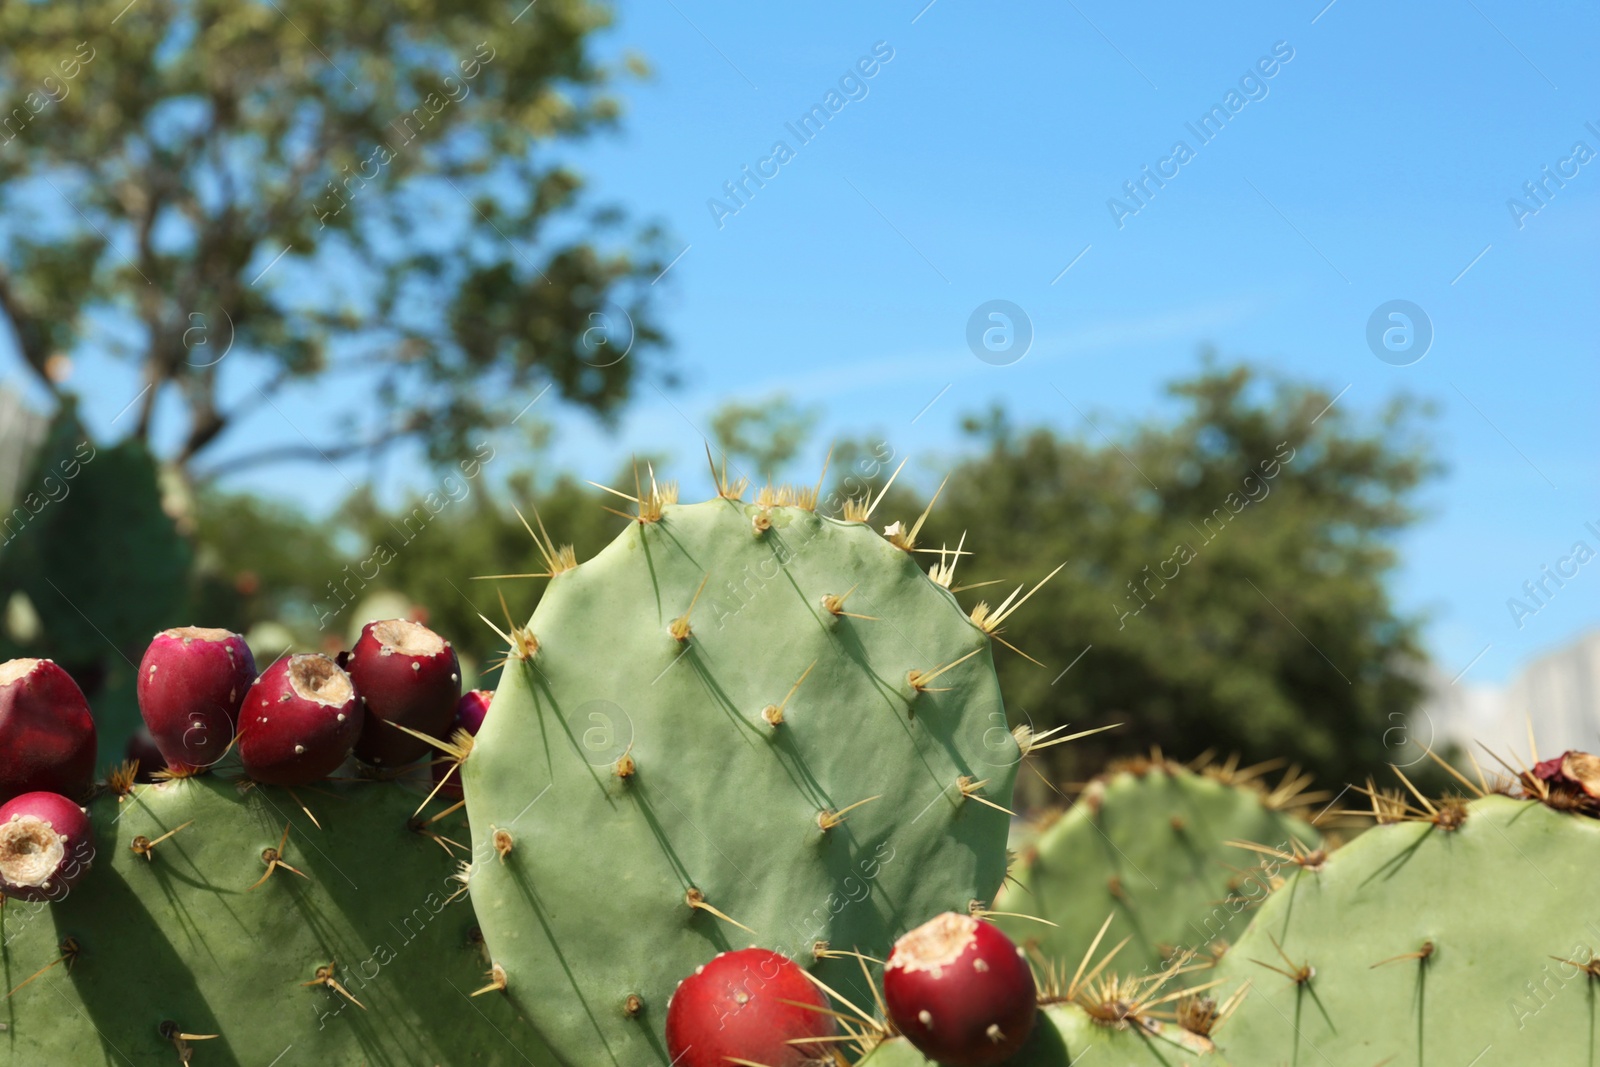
[649,503]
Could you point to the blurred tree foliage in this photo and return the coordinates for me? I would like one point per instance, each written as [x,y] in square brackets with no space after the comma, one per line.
[262,563]
[397,156]
[760,438]
[1225,579]
[1224,587]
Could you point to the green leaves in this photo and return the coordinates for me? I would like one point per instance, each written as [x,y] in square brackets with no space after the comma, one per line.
[1228,566]
[338,182]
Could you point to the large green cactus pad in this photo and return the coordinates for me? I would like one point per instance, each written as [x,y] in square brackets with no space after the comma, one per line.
[1495,899]
[587,913]
[181,938]
[1149,846]
[1065,1036]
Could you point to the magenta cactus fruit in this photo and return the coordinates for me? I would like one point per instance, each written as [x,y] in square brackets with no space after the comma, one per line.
[406,675]
[192,681]
[960,991]
[46,731]
[1572,774]
[300,720]
[470,712]
[750,1006]
[46,845]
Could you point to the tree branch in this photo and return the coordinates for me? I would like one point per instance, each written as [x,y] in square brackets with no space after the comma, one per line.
[31,339]
[158,366]
[301,453]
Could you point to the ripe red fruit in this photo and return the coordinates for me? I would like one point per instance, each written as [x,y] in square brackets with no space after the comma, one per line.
[192,681]
[1572,772]
[406,674]
[959,991]
[46,845]
[46,731]
[737,1008]
[470,712]
[472,709]
[299,722]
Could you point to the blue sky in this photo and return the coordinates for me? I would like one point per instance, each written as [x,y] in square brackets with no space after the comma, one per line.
[1374,164]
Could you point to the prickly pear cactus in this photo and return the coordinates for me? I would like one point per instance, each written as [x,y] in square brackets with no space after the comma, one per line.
[1066,1034]
[1429,942]
[659,784]
[98,597]
[179,951]
[1149,844]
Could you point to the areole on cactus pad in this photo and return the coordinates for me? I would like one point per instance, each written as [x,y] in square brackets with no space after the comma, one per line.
[1065,1035]
[1160,846]
[1461,926]
[220,927]
[739,723]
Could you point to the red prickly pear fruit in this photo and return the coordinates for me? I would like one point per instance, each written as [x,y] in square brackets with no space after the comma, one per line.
[472,709]
[470,712]
[748,1006]
[46,845]
[192,681]
[1572,772]
[960,991]
[299,722]
[143,751]
[409,675]
[46,731]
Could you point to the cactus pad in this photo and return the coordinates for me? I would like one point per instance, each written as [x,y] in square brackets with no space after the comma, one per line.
[1429,942]
[174,941]
[1148,844]
[1066,1035]
[650,757]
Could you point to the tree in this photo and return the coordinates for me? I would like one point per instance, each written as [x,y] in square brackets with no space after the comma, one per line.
[266,194]
[1225,578]
[1225,585]
[262,563]
[766,434]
